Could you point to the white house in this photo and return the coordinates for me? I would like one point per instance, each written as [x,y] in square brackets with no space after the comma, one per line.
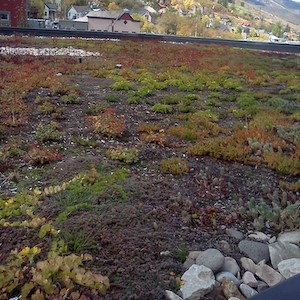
[50,11]
[273,38]
[113,21]
[76,11]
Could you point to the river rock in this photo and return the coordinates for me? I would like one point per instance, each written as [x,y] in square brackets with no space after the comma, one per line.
[249,279]
[230,265]
[280,251]
[172,296]
[212,259]
[290,237]
[248,264]
[198,281]
[188,263]
[224,246]
[229,289]
[268,274]
[247,291]
[289,267]
[261,286]
[235,234]
[220,276]
[194,254]
[255,250]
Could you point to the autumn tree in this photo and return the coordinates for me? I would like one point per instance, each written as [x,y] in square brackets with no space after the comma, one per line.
[146,26]
[113,6]
[169,23]
[39,5]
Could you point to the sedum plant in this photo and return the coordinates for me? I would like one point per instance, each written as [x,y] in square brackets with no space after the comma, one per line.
[162,108]
[127,155]
[174,165]
[276,212]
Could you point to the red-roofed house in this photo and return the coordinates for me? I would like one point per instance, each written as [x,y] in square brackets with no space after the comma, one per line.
[13,12]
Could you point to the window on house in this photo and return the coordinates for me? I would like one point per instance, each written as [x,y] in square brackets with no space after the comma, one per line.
[4,15]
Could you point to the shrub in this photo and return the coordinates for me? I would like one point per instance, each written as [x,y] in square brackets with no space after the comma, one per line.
[162,108]
[48,132]
[107,123]
[190,134]
[39,155]
[12,148]
[185,109]
[127,155]
[149,127]
[158,138]
[70,99]
[85,142]
[112,98]
[133,100]
[282,163]
[220,147]
[213,86]
[191,97]
[77,240]
[175,99]
[142,92]
[95,109]
[122,85]
[48,108]
[232,84]
[174,165]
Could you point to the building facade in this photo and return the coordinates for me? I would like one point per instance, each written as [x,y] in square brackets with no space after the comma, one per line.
[14,12]
[111,21]
[76,11]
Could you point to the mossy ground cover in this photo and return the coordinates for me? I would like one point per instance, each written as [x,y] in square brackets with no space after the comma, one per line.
[104,167]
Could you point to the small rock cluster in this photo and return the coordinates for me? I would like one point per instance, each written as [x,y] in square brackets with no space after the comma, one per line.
[267,262]
[70,51]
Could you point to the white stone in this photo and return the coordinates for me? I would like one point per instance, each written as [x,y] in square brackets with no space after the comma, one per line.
[248,264]
[268,274]
[259,236]
[247,291]
[220,276]
[289,267]
[290,237]
[198,281]
[165,253]
[230,265]
[172,296]
[212,259]
[280,251]
[249,279]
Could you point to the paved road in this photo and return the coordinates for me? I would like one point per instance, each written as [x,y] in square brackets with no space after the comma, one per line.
[278,47]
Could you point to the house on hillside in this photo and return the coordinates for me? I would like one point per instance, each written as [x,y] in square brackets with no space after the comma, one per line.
[144,13]
[77,11]
[50,11]
[13,13]
[113,21]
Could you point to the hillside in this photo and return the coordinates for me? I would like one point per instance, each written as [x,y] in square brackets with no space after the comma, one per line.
[288,11]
